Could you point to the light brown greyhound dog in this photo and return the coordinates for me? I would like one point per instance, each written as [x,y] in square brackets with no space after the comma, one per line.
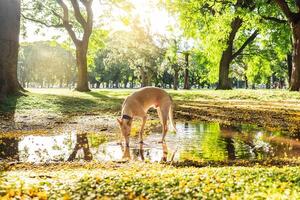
[138,104]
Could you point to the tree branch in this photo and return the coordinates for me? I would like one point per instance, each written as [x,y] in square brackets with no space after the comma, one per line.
[207,7]
[43,23]
[248,41]
[89,24]
[235,25]
[286,10]
[56,14]
[274,19]
[77,13]
[66,22]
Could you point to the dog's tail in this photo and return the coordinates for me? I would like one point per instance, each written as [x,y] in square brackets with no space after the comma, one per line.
[171,118]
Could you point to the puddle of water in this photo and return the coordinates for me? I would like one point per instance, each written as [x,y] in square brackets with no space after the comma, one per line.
[193,141]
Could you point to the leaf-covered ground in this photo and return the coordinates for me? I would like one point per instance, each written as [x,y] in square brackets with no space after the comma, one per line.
[42,111]
[97,110]
[137,180]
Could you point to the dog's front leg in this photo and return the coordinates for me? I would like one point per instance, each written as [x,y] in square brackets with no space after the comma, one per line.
[120,139]
[127,140]
[142,129]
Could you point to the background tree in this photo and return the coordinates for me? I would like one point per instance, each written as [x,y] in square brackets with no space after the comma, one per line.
[77,19]
[291,10]
[139,49]
[9,45]
[39,59]
[111,68]
[186,84]
[199,70]
[219,25]
[172,60]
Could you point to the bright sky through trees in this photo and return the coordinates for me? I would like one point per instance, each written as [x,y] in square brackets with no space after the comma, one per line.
[145,10]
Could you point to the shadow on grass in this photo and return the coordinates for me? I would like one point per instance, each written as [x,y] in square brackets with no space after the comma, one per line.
[60,103]
[104,97]
[8,107]
[112,103]
[66,104]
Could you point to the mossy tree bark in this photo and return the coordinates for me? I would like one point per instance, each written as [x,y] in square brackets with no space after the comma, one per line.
[9,46]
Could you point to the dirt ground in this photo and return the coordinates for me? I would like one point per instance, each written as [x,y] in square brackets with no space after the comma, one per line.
[273,116]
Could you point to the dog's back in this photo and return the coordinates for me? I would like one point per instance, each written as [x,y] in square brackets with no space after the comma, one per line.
[150,95]
[145,98]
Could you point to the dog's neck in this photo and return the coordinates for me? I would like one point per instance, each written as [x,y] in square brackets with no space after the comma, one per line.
[127,111]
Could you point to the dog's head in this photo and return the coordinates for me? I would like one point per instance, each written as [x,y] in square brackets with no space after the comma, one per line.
[125,126]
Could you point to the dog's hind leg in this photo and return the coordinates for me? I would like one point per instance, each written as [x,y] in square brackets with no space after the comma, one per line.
[142,129]
[164,115]
[171,119]
[159,115]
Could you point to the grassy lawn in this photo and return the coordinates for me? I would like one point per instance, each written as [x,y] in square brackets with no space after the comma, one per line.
[67,101]
[63,101]
[151,181]
[272,109]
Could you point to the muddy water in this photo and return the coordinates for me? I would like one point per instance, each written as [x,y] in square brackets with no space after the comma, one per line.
[193,141]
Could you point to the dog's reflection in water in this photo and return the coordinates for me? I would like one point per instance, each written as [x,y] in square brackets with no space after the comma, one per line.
[141,153]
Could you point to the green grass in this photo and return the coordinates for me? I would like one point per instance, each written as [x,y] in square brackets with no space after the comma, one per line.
[238,94]
[153,181]
[62,101]
[67,101]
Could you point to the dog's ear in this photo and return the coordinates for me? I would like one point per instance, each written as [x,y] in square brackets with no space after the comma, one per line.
[119,121]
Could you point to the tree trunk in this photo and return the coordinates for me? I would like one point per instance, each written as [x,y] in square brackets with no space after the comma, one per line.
[9,45]
[281,83]
[186,73]
[82,75]
[227,56]
[224,81]
[246,82]
[295,77]
[269,82]
[61,83]
[97,84]
[144,78]
[132,80]
[175,86]
[132,83]
[289,60]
